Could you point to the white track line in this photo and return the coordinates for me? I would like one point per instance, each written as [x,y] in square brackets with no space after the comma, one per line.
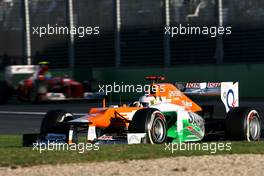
[33,113]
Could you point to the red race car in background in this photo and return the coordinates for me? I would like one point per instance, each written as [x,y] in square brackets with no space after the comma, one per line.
[39,85]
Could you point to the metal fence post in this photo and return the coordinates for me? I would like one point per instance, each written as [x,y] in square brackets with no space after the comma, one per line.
[117,23]
[27,28]
[167,59]
[219,39]
[71,41]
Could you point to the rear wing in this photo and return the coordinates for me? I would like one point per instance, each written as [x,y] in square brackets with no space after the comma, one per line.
[228,91]
[10,71]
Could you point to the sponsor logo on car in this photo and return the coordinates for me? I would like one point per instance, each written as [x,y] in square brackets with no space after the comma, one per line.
[56,137]
[198,85]
[135,138]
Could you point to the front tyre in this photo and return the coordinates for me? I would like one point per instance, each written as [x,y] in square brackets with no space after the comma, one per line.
[152,122]
[243,123]
[39,88]
[53,122]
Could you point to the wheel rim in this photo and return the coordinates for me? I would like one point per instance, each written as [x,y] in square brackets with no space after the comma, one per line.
[158,129]
[254,128]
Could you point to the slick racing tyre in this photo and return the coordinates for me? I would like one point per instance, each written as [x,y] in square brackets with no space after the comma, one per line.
[243,123]
[5,92]
[38,88]
[53,123]
[152,122]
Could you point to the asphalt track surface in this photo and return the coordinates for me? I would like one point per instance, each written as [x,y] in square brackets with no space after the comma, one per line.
[26,118]
[20,118]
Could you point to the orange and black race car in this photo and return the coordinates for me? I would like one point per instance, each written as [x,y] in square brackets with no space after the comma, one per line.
[164,114]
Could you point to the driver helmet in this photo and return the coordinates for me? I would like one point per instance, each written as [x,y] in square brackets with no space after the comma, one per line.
[147,100]
[44,69]
[44,65]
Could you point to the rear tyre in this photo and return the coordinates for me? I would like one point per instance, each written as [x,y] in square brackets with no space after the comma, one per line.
[243,123]
[5,92]
[53,123]
[152,122]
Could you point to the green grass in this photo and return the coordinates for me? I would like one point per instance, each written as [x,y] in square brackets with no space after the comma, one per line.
[12,154]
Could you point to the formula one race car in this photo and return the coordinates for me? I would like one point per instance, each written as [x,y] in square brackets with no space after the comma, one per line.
[38,85]
[164,114]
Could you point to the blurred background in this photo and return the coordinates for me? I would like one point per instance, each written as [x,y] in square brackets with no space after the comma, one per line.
[132,43]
